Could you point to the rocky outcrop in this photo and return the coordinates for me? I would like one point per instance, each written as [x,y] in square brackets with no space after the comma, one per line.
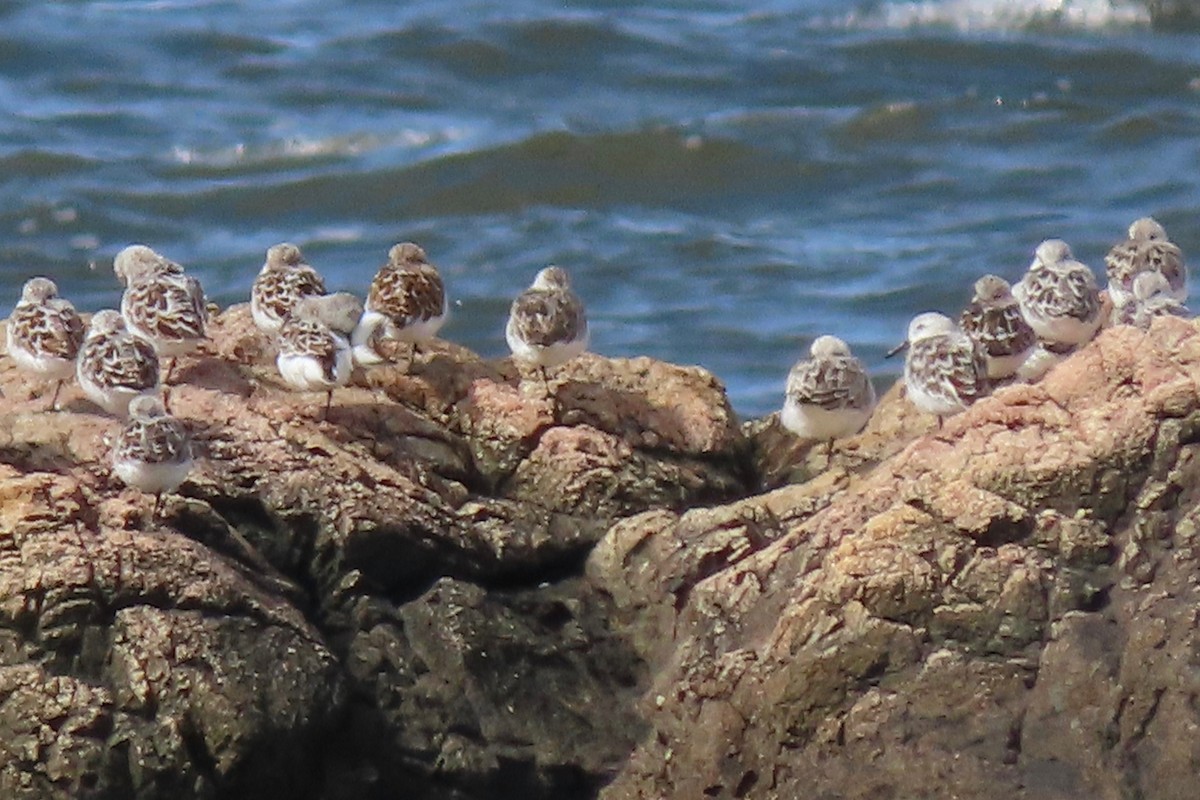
[376,604]
[464,585]
[138,663]
[1005,608]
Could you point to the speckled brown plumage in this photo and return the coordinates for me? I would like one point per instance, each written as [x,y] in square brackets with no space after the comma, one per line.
[47,326]
[313,339]
[284,280]
[548,312]
[407,289]
[830,383]
[1147,249]
[120,359]
[157,440]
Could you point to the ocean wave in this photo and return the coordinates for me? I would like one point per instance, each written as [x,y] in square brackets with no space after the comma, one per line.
[995,15]
[38,163]
[653,167]
[286,154]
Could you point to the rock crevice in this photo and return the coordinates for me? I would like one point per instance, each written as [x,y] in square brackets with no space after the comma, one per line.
[456,587]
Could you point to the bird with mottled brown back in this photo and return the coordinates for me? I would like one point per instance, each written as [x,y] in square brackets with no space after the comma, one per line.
[406,304]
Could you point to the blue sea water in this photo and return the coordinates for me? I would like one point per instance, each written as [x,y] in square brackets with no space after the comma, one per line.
[724,181]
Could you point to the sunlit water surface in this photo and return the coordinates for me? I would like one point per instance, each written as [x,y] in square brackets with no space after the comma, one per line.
[723,185]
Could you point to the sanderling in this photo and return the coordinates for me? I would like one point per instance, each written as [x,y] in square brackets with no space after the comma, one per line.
[1059,297]
[161,304]
[829,395]
[1147,249]
[1152,297]
[1040,361]
[314,353]
[994,320]
[547,324]
[285,277]
[137,261]
[406,303]
[45,334]
[114,365]
[944,370]
[153,452]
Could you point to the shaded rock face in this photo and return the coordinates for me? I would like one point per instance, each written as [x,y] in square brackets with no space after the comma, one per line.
[1005,608]
[387,603]
[462,586]
[135,663]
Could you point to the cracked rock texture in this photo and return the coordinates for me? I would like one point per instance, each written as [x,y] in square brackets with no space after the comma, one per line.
[386,603]
[466,586]
[1006,608]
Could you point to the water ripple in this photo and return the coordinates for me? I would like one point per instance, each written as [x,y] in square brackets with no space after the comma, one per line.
[724,183]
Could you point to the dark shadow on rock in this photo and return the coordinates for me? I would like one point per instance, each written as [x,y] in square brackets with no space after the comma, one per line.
[208,525]
[210,372]
[469,693]
[401,437]
[383,603]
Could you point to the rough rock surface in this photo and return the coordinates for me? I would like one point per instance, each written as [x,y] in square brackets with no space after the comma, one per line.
[385,602]
[464,585]
[1005,608]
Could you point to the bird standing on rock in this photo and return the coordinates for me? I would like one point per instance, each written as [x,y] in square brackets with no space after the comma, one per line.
[153,452]
[284,279]
[1148,249]
[114,366]
[1152,297]
[161,304]
[944,370]
[45,334]
[1059,297]
[406,304]
[828,395]
[314,352]
[994,320]
[547,324]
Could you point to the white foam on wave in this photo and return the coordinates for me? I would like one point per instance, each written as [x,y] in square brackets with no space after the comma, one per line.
[998,15]
[300,148]
[134,6]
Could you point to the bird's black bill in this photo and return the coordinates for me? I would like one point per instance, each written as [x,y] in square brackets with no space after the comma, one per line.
[897,349]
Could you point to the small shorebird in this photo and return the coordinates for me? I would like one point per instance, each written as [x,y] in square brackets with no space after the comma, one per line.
[114,366]
[828,395]
[153,453]
[1059,297]
[994,320]
[944,370]
[406,303]
[314,353]
[285,277]
[161,304]
[45,334]
[1148,249]
[547,324]
[1152,297]
[137,260]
